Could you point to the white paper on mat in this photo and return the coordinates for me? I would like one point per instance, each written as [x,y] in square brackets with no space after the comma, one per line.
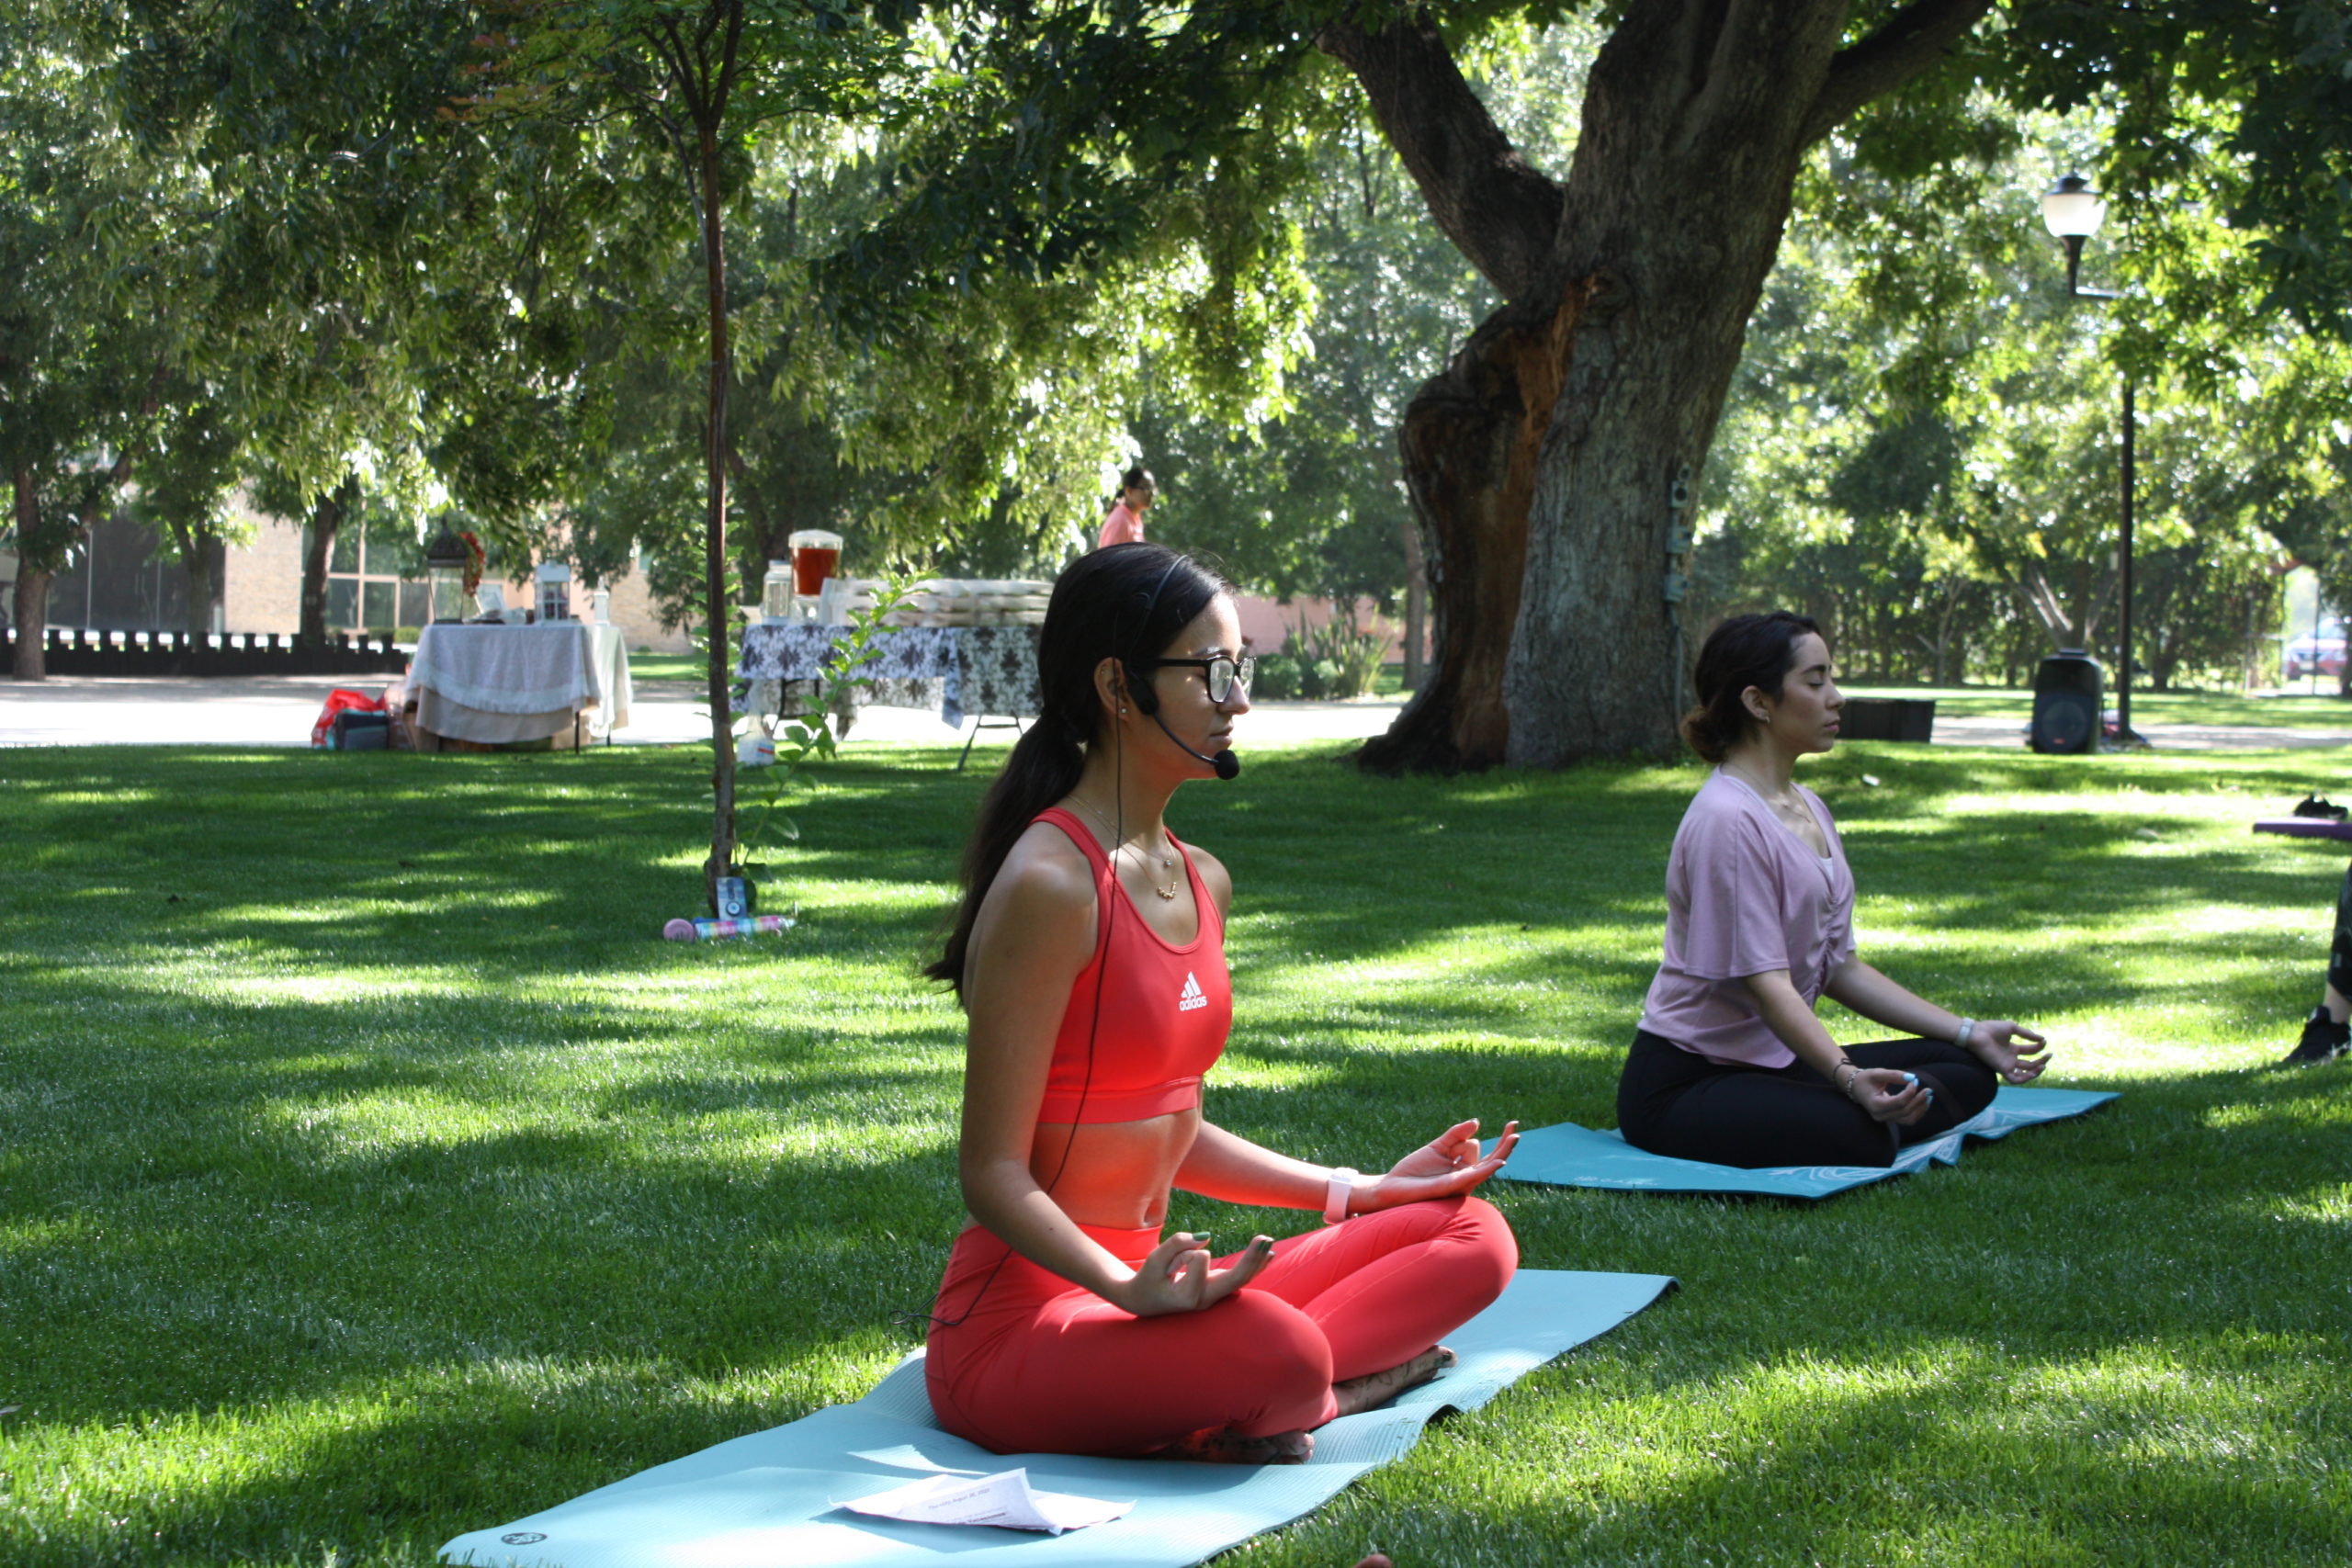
[1004,1500]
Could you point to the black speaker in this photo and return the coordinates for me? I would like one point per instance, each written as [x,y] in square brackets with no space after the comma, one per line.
[2069,698]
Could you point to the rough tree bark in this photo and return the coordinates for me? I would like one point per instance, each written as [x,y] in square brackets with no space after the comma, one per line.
[1541,461]
[1416,606]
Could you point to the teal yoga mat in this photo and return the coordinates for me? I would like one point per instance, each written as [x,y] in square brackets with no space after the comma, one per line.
[1570,1156]
[769,1500]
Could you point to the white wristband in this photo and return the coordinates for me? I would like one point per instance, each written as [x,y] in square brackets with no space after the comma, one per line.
[1340,1187]
[1967,1028]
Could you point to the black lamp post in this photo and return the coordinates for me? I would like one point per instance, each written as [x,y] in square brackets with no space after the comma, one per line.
[2072,211]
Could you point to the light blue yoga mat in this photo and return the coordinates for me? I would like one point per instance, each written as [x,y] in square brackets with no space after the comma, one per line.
[1570,1156]
[769,1500]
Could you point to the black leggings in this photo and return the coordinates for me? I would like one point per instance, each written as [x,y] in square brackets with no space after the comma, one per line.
[1672,1102]
[2339,952]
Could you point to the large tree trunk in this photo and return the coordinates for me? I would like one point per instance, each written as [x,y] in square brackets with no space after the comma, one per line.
[1544,460]
[1470,442]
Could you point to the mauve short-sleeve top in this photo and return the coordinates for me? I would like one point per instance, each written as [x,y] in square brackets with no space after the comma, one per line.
[1745,894]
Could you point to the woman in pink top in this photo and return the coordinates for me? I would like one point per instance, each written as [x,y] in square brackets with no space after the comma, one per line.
[1123,524]
[1730,1066]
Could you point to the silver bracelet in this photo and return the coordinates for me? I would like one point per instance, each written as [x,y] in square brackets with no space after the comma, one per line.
[1967,1028]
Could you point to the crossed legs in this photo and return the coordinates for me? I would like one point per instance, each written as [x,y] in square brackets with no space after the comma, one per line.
[1672,1102]
[1047,1368]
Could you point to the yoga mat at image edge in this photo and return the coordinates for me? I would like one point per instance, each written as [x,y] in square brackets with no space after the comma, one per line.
[1570,1156]
[769,1500]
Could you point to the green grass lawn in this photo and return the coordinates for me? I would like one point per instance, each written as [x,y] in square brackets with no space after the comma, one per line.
[369,1171]
[2295,710]
[688,667]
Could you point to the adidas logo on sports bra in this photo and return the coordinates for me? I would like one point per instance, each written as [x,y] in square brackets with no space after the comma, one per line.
[1193,997]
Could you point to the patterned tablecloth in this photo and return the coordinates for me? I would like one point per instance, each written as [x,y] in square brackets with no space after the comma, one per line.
[960,670]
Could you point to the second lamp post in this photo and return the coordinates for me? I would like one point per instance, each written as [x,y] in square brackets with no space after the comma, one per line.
[2073,213]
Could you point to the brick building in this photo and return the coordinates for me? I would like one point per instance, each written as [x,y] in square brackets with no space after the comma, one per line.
[122,583]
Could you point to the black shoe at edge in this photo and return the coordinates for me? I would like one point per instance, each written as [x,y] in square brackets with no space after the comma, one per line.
[2323,1040]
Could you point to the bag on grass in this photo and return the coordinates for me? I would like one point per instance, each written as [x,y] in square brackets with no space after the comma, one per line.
[338,700]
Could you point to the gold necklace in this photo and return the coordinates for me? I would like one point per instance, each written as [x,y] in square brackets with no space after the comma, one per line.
[1167,863]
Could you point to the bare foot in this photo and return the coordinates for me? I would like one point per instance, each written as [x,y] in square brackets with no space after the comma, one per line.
[1223,1445]
[1379,1388]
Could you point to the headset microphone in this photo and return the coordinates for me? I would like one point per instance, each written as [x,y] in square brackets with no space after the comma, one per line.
[1227,764]
[1147,702]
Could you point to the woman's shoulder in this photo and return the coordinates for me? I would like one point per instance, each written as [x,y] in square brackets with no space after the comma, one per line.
[1045,869]
[1723,818]
[1724,803]
[1214,876]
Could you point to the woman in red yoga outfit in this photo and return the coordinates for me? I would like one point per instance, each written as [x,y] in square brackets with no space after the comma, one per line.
[1088,954]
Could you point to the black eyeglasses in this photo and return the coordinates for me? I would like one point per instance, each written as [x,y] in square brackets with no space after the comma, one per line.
[1224,675]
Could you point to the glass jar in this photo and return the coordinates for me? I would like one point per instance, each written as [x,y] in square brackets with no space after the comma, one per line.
[775,592]
[815,556]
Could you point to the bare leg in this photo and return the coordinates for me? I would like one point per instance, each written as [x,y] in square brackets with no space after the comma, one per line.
[2339,1009]
[1379,1388]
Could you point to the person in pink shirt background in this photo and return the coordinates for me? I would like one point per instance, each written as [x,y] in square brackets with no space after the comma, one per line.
[1123,524]
[1729,1064]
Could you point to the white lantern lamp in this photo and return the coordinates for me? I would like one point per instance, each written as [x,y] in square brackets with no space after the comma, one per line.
[2072,211]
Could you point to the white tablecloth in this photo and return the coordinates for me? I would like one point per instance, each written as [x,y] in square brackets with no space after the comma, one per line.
[497,685]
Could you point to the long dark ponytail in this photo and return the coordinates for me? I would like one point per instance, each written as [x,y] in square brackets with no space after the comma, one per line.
[1129,603]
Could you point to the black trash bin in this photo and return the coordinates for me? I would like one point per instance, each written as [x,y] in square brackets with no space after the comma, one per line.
[2069,695]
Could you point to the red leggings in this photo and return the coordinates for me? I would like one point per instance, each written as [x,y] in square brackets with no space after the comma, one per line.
[1041,1366]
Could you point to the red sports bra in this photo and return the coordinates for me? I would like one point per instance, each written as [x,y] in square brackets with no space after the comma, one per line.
[1165,1010]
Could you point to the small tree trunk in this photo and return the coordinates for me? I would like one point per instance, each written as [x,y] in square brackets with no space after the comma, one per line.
[326,517]
[201,587]
[30,609]
[195,545]
[715,575]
